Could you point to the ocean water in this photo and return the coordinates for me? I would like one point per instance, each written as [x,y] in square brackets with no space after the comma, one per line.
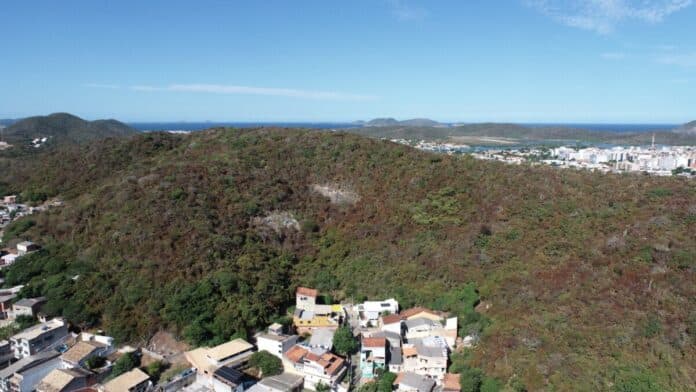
[195,126]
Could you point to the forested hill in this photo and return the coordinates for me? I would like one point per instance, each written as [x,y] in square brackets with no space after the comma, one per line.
[63,128]
[587,281]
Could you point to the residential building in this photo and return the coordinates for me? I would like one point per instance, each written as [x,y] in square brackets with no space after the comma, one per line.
[9,258]
[323,316]
[420,312]
[373,356]
[322,339]
[274,341]
[306,298]
[78,355]
[326,368]
[426,357]
[411,382]
[370,311]
[28,306]
[25,374]
[134,381]
[206,359]
[417,328]
[6,353]
[227,379]
[285,382]
[6,305]
[420,327]
[26,247]
[38,337]
[391,323]
[66,380]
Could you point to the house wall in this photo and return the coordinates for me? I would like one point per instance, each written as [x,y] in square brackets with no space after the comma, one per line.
[32,377]
[276,347]
[219,386]
[305,302]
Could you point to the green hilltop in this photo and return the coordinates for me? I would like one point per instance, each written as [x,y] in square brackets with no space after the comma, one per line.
[62,128]
[586,281]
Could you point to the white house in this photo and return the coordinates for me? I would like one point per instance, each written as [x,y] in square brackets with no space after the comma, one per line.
[370,311]
[274,341]
[306,298]
[426,357]
[25,247]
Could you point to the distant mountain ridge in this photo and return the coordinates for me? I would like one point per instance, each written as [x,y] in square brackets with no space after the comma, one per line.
[688,128]
[63,128]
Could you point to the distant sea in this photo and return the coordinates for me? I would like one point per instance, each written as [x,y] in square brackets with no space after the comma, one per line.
[196,126]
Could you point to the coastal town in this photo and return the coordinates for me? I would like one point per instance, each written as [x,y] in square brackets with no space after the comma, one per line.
[653,160]
[410,348]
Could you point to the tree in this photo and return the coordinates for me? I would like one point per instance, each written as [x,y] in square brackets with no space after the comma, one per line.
[96,362]
[385,382]
[344,342]
[470,379]
[25,321]
[321,387]
[126,363]
[269,364]
[155,369]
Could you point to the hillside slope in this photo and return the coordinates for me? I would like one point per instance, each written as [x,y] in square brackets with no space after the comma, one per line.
[470,133]
[587,280]
[63,128]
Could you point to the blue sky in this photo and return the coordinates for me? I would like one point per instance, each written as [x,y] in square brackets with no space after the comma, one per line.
[478,60]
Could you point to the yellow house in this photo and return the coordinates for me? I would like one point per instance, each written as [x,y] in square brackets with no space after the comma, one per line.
[323,316]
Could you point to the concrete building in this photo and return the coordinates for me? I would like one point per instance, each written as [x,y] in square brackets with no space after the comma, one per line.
[306,298]
[28,306]
[66,380]
[286,382]
[25,374]
[274,341]
[38,338]
[134,381]
[369,312]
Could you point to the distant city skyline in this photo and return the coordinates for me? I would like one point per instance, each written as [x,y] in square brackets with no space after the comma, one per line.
[522,61]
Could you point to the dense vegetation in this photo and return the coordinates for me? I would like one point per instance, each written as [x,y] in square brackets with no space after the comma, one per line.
[586,282]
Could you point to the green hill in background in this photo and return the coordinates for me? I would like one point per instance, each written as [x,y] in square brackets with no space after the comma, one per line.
[62,128]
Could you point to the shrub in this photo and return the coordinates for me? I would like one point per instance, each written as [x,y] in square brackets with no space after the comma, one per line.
[126,363]
[269,364]
[652,327]
[96,362]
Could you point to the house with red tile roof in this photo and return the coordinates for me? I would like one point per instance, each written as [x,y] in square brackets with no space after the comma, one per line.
[325,368]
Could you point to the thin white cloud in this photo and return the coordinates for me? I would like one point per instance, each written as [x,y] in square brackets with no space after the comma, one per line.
[103,85]
[405,11]
[602,16]
[684,60]
[247,90]
[613,56]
